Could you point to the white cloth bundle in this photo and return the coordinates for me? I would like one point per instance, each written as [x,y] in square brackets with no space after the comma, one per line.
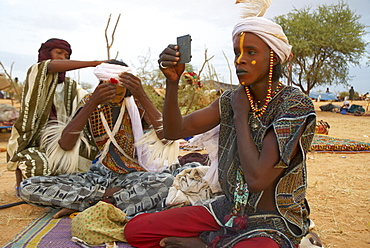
[189,187]
[209,140]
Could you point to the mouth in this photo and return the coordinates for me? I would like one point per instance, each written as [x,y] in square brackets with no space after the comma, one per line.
[241,72]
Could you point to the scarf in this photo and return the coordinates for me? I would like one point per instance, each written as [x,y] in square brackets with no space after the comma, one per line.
[44,52]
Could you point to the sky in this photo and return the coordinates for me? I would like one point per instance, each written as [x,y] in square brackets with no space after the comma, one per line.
[145,28]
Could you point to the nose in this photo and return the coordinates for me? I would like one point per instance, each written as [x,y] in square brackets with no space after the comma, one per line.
[239,61]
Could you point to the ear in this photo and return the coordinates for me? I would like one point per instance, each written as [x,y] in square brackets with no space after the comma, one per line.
[276,59]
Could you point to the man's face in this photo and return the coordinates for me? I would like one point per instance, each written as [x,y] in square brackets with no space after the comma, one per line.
[120,92]
[59,53]
[252,58]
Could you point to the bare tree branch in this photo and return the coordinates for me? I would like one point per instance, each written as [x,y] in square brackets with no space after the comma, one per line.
[106,36]
[230,71]
[206,60]
[109,45]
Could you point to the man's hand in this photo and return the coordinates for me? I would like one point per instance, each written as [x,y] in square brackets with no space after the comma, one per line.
[132,83]
[240,102]
[102,93]
[168,63]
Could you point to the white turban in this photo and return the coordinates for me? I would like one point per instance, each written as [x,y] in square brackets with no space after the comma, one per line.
[270,32]
[106,71]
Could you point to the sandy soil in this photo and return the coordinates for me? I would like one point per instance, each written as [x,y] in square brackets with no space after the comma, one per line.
[338,188]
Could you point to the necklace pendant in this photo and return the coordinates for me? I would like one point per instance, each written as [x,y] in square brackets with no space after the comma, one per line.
[254,125]
[253,122]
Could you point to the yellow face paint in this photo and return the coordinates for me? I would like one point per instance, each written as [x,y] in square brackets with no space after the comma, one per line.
[241,48]
[253,62]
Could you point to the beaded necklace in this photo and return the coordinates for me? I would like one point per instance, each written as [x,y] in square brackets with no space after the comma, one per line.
[258,112]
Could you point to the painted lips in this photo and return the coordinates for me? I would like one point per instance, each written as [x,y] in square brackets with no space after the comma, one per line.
[241,72]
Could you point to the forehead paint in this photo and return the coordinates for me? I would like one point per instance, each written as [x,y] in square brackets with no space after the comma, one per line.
[241,47]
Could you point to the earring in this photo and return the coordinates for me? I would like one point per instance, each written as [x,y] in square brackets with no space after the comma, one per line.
[253,62]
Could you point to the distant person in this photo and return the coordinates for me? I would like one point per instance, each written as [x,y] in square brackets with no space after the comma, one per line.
[351,94]
[345,107]
[48,95]
[327,90]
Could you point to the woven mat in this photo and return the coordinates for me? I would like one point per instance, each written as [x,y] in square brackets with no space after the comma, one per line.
[325,143]
[46,232]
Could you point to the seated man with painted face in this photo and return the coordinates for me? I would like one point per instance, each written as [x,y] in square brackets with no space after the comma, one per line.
[125,172]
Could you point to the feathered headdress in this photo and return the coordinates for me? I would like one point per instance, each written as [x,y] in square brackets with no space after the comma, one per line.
[253,8]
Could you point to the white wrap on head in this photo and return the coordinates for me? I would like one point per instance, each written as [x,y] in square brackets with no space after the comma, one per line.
[106,71]
[270,32]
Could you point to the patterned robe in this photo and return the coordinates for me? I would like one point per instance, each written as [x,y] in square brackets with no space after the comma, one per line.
[286,114]
[40,91]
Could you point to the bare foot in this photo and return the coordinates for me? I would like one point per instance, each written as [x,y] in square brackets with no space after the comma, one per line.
[177,242]
[110,192]
[63,212]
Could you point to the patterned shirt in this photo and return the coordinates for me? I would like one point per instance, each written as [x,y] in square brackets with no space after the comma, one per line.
[287,114]
[114,159]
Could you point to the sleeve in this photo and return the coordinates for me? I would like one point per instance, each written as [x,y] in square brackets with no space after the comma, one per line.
[298,112]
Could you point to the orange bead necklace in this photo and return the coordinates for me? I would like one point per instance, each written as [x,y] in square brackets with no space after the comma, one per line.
[258,112]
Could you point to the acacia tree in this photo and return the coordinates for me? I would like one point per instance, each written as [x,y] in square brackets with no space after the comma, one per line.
[325,43]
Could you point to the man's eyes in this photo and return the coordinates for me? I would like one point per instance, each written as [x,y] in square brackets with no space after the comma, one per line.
[250,52]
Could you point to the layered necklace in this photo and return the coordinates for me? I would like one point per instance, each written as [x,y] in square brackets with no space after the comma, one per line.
[258,112]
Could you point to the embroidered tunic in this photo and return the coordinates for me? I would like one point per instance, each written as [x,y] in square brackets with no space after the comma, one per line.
[114,159]
[287,113]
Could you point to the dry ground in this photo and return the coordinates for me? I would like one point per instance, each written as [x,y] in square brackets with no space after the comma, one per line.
[338,188]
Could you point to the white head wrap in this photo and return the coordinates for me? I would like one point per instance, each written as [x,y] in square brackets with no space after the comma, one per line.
[106,71]
[270,32]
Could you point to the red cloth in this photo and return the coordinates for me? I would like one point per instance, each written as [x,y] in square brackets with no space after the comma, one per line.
[257,242]
[147,230]
[44,51]
[194,157]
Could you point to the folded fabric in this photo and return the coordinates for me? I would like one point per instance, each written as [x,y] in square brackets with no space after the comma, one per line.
[99,224]
[189,187]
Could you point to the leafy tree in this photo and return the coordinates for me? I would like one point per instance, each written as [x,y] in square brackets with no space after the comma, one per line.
[325,43]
